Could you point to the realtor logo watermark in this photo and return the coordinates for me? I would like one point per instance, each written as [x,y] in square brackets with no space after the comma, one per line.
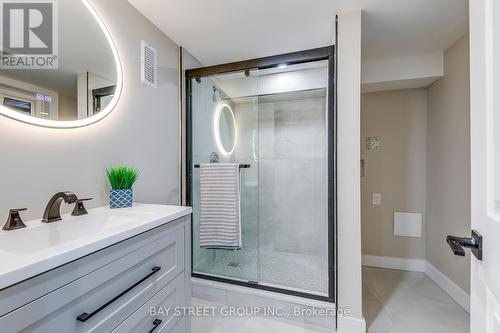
[29,34]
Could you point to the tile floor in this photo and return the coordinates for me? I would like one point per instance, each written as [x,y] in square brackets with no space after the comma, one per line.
[220,324]
[393,302]
[408,302]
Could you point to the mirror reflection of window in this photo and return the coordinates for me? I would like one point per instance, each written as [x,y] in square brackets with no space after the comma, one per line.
[84,82]
[18,105]
[28,99]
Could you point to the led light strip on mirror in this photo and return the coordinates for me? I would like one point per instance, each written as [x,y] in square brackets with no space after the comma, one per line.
[218,139]
[87,121]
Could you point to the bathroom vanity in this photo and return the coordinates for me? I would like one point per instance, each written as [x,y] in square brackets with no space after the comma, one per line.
[102,272]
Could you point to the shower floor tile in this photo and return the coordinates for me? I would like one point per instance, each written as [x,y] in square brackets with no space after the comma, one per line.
[233,264]
[281,269]
[300,271]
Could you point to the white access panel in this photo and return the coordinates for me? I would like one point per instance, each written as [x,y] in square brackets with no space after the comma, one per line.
[407,224]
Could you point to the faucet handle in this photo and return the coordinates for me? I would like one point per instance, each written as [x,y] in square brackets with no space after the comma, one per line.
[79,209]
[14,220]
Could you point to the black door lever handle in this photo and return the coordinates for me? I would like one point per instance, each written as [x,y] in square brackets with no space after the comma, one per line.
[475,243]
[455,247]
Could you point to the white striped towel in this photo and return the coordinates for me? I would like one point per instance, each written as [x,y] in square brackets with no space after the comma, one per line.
[220,221]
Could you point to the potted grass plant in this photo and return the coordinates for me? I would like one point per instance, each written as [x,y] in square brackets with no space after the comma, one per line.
[121,179]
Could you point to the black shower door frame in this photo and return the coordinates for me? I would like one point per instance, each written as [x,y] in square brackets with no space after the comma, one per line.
[318,54]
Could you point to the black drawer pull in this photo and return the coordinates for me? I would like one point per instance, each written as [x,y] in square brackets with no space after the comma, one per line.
[156,323]
[86,316]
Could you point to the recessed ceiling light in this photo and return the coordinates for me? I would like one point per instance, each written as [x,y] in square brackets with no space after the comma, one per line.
[282,65]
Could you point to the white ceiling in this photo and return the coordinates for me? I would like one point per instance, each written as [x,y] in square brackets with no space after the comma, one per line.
[220,31]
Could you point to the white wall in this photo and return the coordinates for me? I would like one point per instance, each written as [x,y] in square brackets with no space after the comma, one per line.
[401,72]
[141,132]
[349,292]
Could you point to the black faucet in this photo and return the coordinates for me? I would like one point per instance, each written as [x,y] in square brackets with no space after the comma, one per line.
[53,210]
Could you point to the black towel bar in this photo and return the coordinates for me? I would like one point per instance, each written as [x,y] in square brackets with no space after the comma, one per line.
[242,166]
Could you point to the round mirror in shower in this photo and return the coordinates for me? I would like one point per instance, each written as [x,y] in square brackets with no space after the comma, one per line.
[225,129]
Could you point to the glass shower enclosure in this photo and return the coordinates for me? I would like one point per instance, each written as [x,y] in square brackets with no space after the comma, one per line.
[275,117]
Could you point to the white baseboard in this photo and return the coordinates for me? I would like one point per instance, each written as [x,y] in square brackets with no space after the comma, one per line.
[402,264]
[351,325]
[421,265]
[450,287]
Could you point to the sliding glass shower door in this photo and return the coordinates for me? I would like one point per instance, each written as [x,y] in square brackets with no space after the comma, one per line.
[277,123]
[221,137]
[293,197]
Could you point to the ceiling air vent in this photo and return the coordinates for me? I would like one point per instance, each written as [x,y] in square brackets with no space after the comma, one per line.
[149,73]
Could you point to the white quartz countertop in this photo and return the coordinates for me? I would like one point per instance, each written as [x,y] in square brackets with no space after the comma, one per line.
[40,247]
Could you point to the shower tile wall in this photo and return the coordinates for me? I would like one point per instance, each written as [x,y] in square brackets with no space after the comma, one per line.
[292,193]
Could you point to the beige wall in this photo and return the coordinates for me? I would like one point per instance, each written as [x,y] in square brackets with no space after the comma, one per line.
[397,170]
[142,132]
[448,195]
[423,166]
[67,107]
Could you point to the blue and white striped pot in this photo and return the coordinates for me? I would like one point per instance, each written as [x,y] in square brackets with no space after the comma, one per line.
[120,198]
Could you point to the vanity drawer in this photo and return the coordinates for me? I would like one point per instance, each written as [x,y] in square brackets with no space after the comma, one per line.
[134,250]
[117,289]
[167,299]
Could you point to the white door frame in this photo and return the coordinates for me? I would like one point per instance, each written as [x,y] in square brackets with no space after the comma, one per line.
[485,162]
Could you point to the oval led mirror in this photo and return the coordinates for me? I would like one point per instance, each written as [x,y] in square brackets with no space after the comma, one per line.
[67,73]
[225,129]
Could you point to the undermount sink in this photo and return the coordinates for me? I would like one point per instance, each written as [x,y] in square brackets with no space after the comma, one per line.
[41,246]
[42,237]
